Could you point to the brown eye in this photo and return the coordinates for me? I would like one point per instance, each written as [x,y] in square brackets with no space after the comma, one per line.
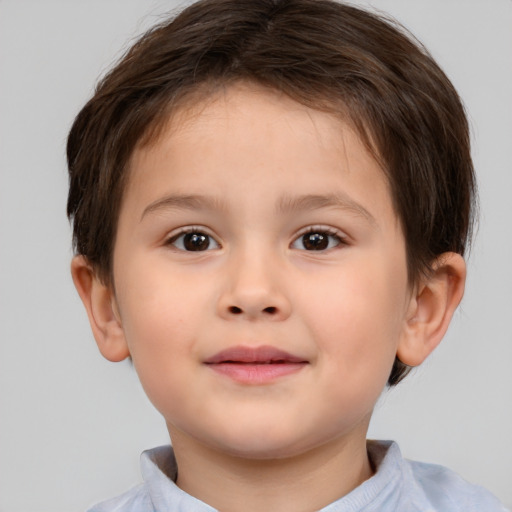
[317,240]
[194,241]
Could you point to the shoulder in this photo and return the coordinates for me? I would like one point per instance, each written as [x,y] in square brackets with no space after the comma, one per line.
[136,499]
[447,491]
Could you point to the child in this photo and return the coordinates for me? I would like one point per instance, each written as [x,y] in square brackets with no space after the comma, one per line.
[271,201]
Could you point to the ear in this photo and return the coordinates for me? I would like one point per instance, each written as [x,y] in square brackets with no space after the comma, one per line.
[99,301]
[431,308]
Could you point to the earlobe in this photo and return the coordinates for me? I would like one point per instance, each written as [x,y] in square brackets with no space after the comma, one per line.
[100,304]
[431,309]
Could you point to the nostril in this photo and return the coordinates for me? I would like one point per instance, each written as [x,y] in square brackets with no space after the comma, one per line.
[235,310]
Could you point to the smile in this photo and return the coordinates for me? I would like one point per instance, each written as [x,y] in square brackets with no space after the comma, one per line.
[259,365]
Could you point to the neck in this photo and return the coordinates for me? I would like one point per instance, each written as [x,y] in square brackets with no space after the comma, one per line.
[303,483]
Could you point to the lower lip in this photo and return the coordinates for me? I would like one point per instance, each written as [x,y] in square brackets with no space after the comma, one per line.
[247,373]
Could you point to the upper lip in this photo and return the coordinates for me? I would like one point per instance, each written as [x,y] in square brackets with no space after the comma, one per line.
[258,355]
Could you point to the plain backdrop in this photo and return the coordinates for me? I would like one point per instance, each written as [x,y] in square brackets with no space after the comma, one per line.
[71,424]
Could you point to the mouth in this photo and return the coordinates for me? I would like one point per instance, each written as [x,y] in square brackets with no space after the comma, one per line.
[258,365]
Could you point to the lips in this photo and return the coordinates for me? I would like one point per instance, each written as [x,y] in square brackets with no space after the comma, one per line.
[256,355]
[258,365]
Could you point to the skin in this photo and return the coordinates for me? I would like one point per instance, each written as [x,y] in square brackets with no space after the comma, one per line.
[256,164]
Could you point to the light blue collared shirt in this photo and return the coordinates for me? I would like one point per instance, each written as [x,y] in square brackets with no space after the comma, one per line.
[398,485]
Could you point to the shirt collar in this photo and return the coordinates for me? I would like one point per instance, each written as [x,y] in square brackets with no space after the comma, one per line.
[160,471]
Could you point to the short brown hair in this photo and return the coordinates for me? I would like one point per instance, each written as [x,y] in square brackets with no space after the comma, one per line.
[324,54]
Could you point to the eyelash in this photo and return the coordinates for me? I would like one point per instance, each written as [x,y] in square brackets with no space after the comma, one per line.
[330,233]
[191,231]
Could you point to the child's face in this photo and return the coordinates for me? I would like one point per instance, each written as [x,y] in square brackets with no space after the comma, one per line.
[297,250]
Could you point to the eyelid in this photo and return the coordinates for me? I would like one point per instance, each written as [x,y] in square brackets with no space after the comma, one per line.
[342,236]
[175,234]
[322,228]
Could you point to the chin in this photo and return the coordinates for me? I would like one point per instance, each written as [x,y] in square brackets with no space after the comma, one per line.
[264,445]
[258,451]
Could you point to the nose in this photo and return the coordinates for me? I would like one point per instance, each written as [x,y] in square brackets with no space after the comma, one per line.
[254,290]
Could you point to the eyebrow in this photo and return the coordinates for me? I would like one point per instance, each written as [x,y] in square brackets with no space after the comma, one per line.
[291,204]
[285,205]
[184,202]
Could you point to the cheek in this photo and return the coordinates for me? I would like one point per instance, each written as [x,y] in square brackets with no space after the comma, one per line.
[160,322]
[161,342]
[357,321]
[158,302]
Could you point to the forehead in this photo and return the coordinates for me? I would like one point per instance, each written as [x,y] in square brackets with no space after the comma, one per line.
[243,134]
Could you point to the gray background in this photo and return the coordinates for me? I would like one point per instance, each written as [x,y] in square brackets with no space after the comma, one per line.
[72,425]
